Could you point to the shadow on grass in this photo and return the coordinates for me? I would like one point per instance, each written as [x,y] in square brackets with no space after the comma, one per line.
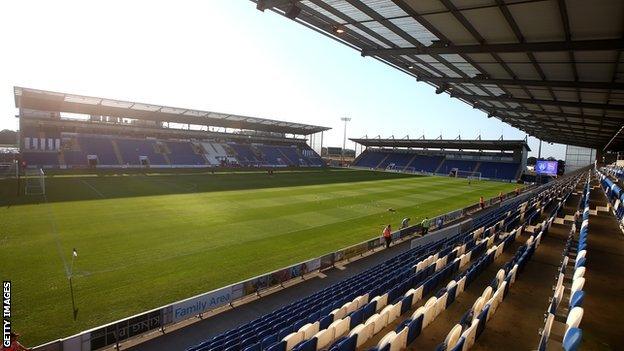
[110,184]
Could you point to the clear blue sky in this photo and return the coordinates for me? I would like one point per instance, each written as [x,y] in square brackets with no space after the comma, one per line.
[225,56]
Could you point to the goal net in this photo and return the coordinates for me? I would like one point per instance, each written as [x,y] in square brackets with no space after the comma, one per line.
[393,168]
[402,169]
[467,174]
[35,182]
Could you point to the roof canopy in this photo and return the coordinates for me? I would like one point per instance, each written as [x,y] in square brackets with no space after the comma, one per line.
[62,102]
[553,68]
[498,145]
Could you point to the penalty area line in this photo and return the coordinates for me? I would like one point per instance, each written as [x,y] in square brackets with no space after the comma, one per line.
[93,188]
[55,234]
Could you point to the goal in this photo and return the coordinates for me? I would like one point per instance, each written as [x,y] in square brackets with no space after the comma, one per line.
[467,174]
[401,169]
[35,182]
[393,168]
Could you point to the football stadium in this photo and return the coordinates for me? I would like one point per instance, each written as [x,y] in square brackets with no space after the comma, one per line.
[132,225]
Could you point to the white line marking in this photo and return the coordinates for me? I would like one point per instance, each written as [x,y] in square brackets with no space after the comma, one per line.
[93,188]
[55,234]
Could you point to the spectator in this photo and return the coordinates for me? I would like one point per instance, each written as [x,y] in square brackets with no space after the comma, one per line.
[426,223]
[517,191]
[481,202]
[500,196]
[387,234]
[405,223]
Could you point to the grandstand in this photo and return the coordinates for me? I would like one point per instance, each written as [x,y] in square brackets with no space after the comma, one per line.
[488,159]
[59,130]
[186,242]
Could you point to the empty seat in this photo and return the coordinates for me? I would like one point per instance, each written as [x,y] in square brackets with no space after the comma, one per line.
[381,301]
[324,338]
[309,330]
[363,332]
[341,327]
[574,318]
[387,339]
[293,339]
[453,337]
[400,341]
[577,284]
[576,300]
[429,311]
[572,339]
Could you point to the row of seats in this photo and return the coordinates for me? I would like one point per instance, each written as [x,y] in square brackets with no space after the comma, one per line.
[444,267]
[330,305]
[115,151]
[356,328]
[411,328]
[463,335]
[387,159]
[567,299]
[614,193]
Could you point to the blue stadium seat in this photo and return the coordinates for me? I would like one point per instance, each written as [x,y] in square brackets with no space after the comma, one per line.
[572,339]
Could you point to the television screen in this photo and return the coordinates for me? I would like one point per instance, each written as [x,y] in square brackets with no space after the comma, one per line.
[546,167]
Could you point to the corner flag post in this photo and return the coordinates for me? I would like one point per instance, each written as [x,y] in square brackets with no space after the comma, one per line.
[71,286]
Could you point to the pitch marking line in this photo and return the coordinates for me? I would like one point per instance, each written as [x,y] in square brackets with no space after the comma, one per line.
[93,188]
[55,234]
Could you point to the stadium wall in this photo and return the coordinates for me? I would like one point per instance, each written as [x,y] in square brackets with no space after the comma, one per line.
[160,318]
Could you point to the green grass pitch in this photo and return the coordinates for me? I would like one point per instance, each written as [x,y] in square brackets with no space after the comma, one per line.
[145,240]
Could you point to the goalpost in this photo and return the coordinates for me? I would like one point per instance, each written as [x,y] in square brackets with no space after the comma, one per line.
[35,182]
[468,174]
[400,169]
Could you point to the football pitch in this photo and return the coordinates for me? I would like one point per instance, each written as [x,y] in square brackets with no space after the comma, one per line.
[145,240]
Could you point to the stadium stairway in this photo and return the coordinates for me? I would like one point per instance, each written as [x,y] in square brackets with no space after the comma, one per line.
[436,330]
[437,170]
[567,294]
[288,160]
[482,265]
[166,157]
[382,161]
[530,294]
[61,159]
[117,152]
[476,168]
[410,162]
[603,289]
